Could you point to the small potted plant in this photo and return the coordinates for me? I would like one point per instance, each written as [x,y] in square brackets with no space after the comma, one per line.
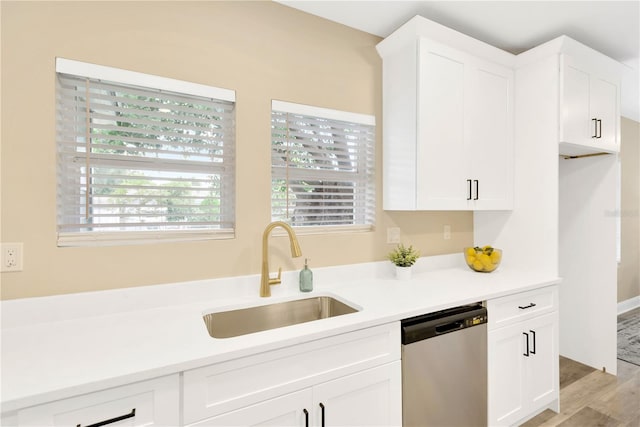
[403,258]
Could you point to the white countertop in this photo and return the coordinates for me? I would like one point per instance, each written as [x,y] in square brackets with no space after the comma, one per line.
[61,346]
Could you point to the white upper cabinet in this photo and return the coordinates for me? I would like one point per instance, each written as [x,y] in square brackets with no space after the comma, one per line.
[447,122]
[441,156]
[590,108]
[491,137]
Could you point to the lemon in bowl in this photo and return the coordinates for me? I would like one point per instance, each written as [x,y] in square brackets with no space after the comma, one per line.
[483,259]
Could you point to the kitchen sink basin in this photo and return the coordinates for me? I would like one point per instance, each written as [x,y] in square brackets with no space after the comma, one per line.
[226,324]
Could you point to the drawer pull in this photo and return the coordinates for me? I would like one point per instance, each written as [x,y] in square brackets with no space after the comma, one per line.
[322,409]
[306,417]
[526,306]
[112,420]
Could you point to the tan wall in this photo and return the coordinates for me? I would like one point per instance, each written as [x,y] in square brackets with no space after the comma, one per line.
[629,267]
[262,50]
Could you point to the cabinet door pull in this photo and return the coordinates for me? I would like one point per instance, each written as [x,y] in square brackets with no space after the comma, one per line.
[477,189]
[469,196]
[533,336]
[112,420]
[306,417]
[322,414]
[526,336]
[599,128]
[526,306]
[595,128]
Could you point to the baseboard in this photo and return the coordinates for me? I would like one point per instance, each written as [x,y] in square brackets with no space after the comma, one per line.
[627,305]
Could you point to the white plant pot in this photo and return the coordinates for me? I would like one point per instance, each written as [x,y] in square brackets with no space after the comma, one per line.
[403,273]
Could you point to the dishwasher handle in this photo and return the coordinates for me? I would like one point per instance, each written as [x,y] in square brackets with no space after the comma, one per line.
[449,327]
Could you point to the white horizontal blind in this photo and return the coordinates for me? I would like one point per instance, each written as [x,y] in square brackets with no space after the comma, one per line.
[136,160]
[322,169]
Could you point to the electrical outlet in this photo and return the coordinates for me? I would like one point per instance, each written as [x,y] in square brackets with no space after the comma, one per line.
[447,232]
[393,235]
[11,257]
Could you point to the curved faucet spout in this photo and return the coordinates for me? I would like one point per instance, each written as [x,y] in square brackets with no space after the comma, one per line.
[265,280]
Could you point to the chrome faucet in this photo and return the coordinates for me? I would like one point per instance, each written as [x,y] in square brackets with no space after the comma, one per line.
[265,280]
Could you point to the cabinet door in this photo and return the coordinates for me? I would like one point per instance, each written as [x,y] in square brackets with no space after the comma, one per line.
[490,144]
[287,410]
[576,124]
[441,156]
[541,377]
[604,106]
[368,398]
[507,402]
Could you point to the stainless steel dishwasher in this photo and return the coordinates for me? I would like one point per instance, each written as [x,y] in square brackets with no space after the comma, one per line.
[444,368]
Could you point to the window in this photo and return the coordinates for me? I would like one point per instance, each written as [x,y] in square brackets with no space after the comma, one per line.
[142,157]
[322,164]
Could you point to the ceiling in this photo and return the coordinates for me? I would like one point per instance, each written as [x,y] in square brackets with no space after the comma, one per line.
[611,27]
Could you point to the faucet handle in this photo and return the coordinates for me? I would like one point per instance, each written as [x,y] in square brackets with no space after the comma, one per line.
[277,280]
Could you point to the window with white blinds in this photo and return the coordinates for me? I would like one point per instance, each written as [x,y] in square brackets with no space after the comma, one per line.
[322,167]
[142,158]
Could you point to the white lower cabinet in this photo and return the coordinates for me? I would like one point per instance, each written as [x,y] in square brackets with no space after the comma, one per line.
[523,357]
[147,403]
[352,379]
[368,398]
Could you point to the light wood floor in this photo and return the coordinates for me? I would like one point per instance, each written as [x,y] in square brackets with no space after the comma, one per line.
[589,397]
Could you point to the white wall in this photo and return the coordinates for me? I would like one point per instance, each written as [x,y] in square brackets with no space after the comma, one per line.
[629,267]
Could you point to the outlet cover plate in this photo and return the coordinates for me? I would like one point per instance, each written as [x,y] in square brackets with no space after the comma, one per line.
[446,233]
[393,235]
[11,257]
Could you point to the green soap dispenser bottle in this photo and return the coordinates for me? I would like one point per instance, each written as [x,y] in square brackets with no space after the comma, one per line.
[306,278]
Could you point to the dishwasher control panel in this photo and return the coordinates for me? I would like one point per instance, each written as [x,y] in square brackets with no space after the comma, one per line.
[443,322]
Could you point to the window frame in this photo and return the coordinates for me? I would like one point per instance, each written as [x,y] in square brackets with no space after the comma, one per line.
[151,83]
[336,116]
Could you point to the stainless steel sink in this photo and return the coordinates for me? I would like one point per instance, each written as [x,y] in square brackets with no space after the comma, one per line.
[226,324]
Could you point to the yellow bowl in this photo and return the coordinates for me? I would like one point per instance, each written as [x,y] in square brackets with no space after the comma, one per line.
[483,259]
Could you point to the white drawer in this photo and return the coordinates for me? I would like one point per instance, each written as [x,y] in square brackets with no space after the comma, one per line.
[147,403]
[514,308]
[227,386]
